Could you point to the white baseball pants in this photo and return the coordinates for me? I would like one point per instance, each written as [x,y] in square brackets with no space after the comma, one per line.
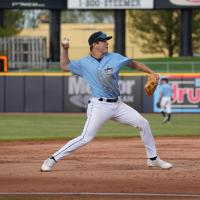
[166,104]
[98,113]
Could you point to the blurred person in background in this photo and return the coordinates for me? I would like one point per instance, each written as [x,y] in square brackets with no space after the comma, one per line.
[166,93]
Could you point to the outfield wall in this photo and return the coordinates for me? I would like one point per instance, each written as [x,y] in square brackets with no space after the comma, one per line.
[61,92]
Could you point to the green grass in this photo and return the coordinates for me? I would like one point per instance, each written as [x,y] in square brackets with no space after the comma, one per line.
[62,126]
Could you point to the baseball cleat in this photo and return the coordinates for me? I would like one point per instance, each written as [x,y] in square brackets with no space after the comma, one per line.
[165,119]
[159,163]
[47,165]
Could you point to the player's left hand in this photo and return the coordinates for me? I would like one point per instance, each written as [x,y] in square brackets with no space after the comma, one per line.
[158,104]
[151,84]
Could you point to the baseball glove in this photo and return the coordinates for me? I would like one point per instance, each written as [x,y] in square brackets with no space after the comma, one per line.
[158,104]
[151,84]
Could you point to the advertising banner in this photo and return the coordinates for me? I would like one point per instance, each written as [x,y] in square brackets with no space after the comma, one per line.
[110,4]
[77,93]
[37,4]
[186,94]
[177,4]
[186,2]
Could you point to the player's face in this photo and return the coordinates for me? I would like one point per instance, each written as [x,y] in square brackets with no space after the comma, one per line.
[102,46]
[163,82]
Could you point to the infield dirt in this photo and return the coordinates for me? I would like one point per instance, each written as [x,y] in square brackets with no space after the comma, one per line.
[103,166]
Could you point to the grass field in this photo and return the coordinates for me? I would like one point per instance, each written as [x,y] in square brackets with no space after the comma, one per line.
[62,126]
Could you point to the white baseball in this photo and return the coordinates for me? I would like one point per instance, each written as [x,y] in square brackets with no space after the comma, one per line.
[65,41]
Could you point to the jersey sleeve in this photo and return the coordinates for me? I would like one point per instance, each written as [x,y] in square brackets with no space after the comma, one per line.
[123,60]
[75,67]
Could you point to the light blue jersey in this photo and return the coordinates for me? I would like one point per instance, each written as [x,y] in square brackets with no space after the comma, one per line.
[166,90]
[103,76]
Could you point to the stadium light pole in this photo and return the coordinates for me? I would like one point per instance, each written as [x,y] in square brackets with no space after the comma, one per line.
[120,31]
[186,32]
[54,51]
[1,18]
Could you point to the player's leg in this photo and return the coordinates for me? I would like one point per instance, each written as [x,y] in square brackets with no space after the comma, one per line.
[163,113]
[126,114]
[163,105]
[97,114]
[168,110]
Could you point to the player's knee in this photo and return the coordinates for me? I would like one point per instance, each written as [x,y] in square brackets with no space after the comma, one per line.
[144,123]
[87,139]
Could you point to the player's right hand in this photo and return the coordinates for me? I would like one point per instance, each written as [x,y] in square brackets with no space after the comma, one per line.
[65,43]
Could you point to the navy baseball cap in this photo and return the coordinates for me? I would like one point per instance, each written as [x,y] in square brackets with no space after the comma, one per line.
[98,36]
[165,79]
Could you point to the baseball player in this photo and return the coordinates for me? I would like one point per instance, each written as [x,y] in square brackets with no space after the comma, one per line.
[100,69]
[166,93]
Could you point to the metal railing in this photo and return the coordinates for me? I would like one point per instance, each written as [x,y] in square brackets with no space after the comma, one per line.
[156,66]
[23,51]
[176,66]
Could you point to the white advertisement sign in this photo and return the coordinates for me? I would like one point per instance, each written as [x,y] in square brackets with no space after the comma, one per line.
[186,2]
[110,4]
[79,91]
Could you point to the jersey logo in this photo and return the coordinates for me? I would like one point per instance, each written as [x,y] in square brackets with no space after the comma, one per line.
[108,70]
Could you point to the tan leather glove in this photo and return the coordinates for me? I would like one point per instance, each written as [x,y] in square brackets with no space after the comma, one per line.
[151,84]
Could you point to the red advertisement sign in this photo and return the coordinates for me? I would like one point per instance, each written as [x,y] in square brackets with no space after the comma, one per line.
[186,2]
[186,93]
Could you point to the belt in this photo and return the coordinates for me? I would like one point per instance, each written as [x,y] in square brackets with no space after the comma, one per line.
[108,100]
